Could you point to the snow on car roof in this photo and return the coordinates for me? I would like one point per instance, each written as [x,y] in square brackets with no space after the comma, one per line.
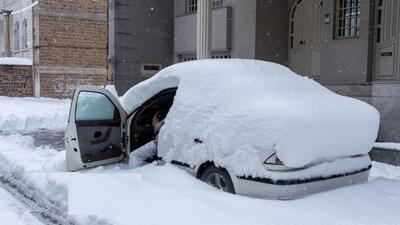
[238,106]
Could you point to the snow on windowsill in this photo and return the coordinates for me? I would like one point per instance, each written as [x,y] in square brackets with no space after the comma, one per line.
[15,61]
[387,146]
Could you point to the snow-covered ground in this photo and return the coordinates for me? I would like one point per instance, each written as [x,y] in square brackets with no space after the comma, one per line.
[154,194]
[28,114]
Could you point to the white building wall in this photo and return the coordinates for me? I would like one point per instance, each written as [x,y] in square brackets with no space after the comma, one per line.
[16,5]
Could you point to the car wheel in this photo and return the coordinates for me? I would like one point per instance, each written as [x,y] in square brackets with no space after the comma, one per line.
[218,178]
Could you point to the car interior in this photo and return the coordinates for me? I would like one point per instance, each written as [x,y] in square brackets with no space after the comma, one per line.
[141,130]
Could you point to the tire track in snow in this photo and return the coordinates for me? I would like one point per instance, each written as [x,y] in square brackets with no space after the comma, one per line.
[45,210]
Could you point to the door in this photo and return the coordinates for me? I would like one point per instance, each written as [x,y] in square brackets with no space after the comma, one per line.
[305,38]
[387,47]
[95,132]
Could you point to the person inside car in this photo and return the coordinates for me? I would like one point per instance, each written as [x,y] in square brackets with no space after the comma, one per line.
[138,157]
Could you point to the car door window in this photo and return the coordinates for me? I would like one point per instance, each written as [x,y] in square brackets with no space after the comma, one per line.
[94,106]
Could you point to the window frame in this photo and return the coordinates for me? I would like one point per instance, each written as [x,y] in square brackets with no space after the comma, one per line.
[343,22]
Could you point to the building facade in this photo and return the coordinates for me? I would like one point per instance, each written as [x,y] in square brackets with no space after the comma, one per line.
[350,46]
[140,40]
[66,41]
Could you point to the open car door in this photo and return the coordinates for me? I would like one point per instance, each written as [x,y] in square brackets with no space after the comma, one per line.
[95,132]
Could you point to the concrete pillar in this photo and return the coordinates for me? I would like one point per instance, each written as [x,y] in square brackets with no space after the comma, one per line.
[7,41]
[204,12]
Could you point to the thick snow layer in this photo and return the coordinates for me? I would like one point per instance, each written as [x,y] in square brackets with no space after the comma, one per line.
[15,61]
[27,114]
[239,108]
[167,195]
[387,145]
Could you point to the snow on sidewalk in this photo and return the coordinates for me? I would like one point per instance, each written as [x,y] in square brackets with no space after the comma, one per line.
[28,114]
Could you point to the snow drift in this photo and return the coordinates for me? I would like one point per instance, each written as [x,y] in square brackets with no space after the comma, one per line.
[239,108]
[28,114]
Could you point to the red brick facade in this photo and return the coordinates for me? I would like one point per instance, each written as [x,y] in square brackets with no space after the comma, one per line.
[72,45]
[16,81]
[92,6]
[73,42]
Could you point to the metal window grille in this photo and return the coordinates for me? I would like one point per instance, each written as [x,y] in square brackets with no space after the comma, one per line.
[191,5]
[347,18]
[217,3]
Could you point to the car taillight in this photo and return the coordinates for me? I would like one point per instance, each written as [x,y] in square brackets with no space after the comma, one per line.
[273,160]
[273,163]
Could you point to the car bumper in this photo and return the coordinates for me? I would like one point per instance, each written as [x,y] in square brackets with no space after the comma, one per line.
[295,188]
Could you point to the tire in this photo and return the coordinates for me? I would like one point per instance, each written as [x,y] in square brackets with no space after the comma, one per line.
[218,178]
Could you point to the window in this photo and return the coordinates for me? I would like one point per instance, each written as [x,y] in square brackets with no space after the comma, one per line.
[379,22]
[191,5]
[94,106]
[215,55]
[347,18]
[16,36]
[221,56]
[24,33]
[217,3]
[149,70]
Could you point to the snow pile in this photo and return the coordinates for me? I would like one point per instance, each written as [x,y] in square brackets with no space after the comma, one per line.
[243,109]
[27,114]
[15,61]
[387,145]
[382,170]
[20,150]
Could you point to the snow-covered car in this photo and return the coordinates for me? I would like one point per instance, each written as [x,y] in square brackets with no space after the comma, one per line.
[244,126]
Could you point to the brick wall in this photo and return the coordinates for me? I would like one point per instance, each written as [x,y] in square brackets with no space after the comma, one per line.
[73,42]
[16,81]
[63,85]
[72,45]
[93,6]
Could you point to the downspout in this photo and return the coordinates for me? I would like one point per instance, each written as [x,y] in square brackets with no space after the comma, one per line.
[7,40]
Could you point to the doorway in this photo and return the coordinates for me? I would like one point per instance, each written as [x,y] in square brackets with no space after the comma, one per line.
[305,37]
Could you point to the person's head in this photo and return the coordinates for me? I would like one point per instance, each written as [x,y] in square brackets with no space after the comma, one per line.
[159,116]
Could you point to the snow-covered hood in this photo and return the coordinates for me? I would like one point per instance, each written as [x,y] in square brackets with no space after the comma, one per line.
[237,107]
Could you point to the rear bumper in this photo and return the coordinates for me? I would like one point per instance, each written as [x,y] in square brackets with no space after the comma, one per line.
[295,188]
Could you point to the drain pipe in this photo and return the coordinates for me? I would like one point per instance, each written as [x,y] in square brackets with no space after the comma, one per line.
[7,41]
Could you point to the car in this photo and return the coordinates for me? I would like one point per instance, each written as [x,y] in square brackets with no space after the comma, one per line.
[248,127]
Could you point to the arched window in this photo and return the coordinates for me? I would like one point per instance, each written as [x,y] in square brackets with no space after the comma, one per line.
[24,33]
[16,36]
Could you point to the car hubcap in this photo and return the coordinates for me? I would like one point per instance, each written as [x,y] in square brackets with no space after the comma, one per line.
[218,181]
